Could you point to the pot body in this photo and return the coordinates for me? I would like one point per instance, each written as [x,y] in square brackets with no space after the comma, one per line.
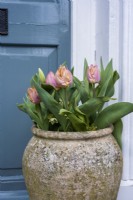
[72,167]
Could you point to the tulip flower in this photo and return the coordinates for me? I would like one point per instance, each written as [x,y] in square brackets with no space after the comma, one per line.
[93,74]
[33,95]
[50,80]
[63,77]
[41,75]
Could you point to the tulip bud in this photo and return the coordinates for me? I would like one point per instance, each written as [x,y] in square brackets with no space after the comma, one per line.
[50,79]
[93,74]
[63,77]
[41,75]
[33,95]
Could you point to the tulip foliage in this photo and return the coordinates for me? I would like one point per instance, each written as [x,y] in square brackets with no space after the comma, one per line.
[62,102]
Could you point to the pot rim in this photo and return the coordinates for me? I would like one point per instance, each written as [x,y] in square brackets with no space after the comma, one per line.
[56,135]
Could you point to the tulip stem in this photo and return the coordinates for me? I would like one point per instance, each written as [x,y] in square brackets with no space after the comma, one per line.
[65,98]
[93,89]
[39,113]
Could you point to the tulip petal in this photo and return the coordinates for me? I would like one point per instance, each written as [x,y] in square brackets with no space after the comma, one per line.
[93,74]
[50,79]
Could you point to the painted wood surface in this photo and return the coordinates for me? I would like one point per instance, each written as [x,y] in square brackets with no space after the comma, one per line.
[39,36]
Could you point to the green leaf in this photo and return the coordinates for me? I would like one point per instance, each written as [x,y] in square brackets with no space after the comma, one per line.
[106,77]
[72,70]
[22,107]
[28,108]
[117,132]
[113,113]
[103,87]
[85,82]
[74,97]
[110,90]
[80,114]
[101,65]
[48,88]
[41,112]
[92,105]
[84,94]
[108,70]
[77,123]
[34,117]
[116,76]
[51,104]
[36,78]
[101,69]
[26,105]
[85,69]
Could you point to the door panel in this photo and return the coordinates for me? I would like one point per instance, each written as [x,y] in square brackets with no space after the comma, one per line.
[16,68]
[38,36]
[32,23]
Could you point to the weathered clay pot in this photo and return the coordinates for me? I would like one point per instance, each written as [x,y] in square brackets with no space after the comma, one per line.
[72,165]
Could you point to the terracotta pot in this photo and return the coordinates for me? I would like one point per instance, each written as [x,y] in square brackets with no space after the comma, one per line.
[72,165]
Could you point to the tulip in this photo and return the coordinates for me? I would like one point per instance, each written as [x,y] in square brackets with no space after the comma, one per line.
[33,95]
[41,75]
[63,77]
[93,74]
[50,80]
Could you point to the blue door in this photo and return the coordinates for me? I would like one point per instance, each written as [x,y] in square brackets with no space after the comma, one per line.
[33,34]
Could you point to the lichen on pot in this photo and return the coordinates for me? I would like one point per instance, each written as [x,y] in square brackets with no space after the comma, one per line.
[67,166]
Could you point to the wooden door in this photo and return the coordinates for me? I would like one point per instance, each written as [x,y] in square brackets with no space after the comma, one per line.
[38,35]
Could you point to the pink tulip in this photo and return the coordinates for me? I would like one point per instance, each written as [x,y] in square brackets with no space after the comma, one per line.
[33,95]
[50,79]
[93,74]
[63,77]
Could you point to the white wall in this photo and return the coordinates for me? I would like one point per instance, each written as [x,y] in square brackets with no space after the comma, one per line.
[106,27]
[83,33]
